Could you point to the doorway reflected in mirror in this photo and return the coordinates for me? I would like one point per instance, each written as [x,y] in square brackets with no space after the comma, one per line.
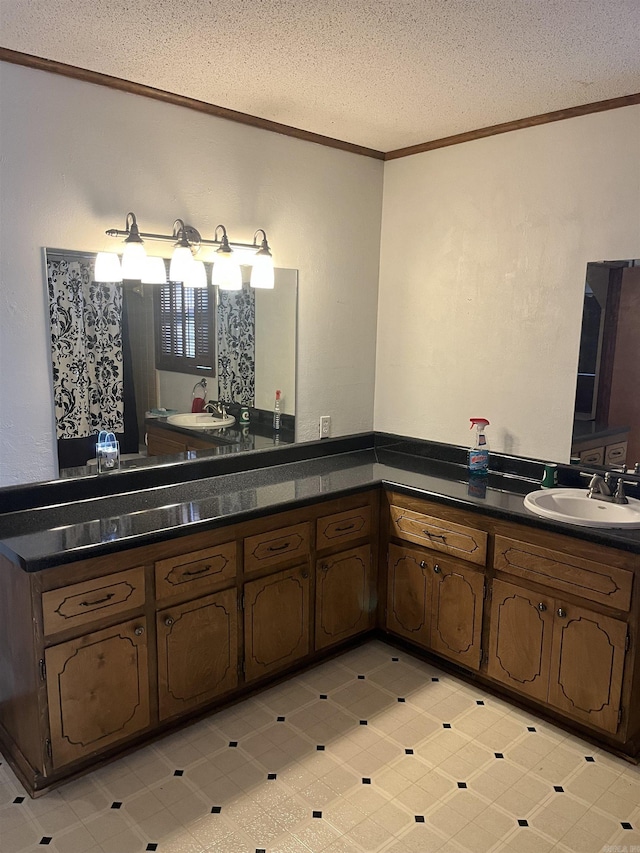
[607,406]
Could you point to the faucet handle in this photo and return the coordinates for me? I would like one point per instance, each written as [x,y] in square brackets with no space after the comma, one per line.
[619,496]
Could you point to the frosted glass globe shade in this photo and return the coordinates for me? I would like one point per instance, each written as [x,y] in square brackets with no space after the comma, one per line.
[181,264]
[133,261]
[107,267]
[262,272]
[226,272]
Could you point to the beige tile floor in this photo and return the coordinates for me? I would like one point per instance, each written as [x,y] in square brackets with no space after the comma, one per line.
[373,751]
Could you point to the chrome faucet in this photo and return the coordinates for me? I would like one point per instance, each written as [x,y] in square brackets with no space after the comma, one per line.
[599,488]
[216,407]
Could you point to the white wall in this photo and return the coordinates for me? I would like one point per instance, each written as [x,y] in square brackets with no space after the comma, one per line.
[275,346]
[74,158]
[483,261]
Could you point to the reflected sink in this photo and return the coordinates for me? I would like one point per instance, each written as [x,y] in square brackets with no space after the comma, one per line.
[200,420]
[574,507]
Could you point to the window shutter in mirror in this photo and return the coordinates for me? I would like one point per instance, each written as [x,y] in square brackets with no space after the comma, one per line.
[185,331]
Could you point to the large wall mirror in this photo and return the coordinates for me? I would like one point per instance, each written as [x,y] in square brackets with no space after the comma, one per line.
[607,406]
[126,357]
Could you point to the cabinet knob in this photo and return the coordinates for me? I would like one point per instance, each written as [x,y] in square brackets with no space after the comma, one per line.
[325,567]
[139,631]
[169,621]
[561,612]
[542,607]
[437,569]
[305,574]
[423,565]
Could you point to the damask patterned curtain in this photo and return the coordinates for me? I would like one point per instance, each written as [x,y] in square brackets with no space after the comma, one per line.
[236,338]
[86,349]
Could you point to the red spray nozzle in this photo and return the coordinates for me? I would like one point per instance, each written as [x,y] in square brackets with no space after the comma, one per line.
[483,422]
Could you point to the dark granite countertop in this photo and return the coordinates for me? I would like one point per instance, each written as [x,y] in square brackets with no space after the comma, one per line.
[42,537]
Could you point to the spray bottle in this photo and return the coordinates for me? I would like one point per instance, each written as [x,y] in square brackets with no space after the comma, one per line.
[479,453]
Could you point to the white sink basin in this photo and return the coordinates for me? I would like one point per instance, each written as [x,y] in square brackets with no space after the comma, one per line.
[573,506]
[200,420]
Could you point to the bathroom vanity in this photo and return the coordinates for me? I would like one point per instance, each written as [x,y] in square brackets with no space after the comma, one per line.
[125,616]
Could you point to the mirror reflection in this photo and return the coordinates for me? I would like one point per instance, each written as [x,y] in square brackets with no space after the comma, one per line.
[130,358]
[607,407]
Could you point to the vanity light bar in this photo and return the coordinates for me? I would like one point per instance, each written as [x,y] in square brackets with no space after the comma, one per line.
[187,240]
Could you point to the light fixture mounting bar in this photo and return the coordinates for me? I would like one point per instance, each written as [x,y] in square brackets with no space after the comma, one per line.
[171,238]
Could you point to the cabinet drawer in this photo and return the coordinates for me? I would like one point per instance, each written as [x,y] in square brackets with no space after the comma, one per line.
[82,603]
[276,546]
[197,571]
[615,454]
[455,539]
[343,527]
[599,582]
[594,456]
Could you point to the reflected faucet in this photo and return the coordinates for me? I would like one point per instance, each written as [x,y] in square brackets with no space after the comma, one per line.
[216,408]
[599,488]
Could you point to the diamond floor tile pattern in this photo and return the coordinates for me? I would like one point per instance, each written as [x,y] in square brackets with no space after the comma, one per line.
[372,752]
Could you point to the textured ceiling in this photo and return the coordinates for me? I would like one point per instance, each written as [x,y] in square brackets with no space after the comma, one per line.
[381,74]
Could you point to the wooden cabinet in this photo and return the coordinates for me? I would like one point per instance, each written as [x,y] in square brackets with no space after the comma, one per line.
[197,652]
[587,663]
[276,621]
[343,596]
[97,690]
[167,442]
[599,449]
[456,611]
[224,609]
[436,602]
[520,639]
[569,656]
[409,595]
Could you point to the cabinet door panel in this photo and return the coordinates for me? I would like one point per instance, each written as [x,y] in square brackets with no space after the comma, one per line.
[276,621]
[343,596]
[408,598]
[456,616]
[197,652]
[520,639]
[98,690]
[587,663]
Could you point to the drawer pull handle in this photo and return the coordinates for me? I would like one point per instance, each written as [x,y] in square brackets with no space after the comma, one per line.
[542,607]
[437,569]
[139,631]
[439,536]
[107,597]
[278,547]
[423,565]
[345,527]
[190,572]
[561,612]
[169,621]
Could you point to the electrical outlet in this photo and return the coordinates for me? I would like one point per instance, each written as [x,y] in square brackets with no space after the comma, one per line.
[325,426]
